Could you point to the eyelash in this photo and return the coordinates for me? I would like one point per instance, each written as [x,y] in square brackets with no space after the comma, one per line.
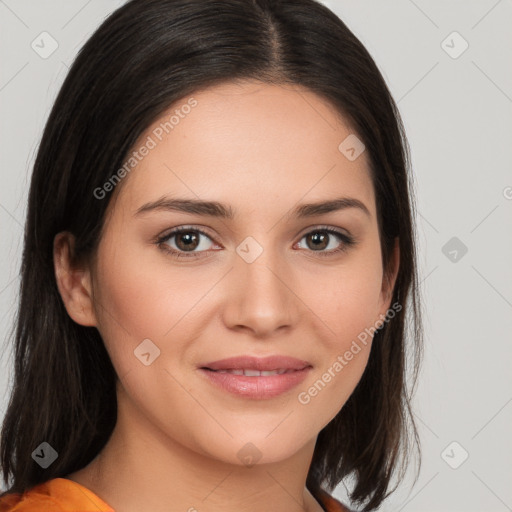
[348,241]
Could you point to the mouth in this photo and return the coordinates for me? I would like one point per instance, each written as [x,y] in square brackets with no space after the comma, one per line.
[256,378]
[276,364]
[254,373]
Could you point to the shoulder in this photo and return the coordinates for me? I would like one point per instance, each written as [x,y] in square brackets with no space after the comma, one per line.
[56,495]
[330,503]
[33,500]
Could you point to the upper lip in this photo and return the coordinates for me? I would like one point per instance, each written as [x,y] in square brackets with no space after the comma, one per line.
[268,363]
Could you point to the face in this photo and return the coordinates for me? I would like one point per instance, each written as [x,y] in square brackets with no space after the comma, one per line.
[265,281]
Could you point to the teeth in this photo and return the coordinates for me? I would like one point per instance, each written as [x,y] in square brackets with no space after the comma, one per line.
[253,373]
[234,372]
[256,373]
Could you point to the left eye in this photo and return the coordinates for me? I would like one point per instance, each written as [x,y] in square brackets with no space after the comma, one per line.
[189,239]
[319,239]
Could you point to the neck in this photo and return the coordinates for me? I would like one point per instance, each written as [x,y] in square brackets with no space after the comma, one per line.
[142,468]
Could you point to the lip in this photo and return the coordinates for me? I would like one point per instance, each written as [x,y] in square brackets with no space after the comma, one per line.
[257,387]
[268,363]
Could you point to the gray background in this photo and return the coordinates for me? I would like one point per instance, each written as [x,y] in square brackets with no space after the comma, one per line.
[457,112]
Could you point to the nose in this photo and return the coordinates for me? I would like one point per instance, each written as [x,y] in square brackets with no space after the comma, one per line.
[260,296]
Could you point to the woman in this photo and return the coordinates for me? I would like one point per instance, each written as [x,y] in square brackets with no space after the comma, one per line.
[219,258]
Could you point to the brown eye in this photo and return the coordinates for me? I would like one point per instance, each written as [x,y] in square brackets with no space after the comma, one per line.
[187,241]
[320,239]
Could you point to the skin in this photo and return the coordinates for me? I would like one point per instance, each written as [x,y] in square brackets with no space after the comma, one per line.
[261,149]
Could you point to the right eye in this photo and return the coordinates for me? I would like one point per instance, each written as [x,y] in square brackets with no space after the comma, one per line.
[187,240]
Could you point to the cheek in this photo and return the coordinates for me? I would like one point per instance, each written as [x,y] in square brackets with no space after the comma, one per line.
[350,314]
[347,303]
[348,298]
[139,296]
[325,395]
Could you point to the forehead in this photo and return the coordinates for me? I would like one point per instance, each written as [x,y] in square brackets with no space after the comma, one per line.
[249,144]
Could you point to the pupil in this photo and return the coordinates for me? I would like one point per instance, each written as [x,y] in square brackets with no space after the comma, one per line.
[319,237]
[190,239]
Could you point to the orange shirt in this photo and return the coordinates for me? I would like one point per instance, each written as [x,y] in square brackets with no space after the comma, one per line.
[56,495]
[63,495]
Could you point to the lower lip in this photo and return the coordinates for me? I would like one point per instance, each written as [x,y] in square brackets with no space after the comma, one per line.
[261,387]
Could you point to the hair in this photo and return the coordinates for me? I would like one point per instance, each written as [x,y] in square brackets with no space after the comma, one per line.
[146,56]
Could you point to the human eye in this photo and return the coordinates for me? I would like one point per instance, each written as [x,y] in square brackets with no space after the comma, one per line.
[188,239]
[321,238]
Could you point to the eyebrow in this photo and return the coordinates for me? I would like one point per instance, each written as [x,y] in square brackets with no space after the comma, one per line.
[223,211]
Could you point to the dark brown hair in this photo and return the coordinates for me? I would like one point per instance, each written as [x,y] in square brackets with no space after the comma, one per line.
[144,57]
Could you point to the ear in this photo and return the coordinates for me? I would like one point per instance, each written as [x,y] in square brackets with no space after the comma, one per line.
[389,278]
[73,281]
